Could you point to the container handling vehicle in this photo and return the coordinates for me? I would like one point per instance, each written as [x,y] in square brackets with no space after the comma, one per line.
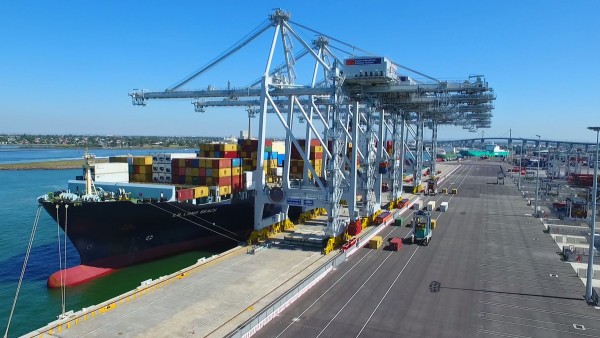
[421,228]
[432,187]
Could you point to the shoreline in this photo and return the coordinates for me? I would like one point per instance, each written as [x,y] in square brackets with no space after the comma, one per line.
[49,165]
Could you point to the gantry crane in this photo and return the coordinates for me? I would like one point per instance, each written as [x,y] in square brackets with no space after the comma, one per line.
[347,103]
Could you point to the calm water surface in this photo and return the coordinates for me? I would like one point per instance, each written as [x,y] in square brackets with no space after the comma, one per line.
[37,305]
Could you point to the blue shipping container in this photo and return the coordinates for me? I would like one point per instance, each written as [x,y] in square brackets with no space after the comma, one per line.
[280,158]
[236,162]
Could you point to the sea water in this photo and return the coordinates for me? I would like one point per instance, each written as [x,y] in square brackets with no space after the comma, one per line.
[36,304]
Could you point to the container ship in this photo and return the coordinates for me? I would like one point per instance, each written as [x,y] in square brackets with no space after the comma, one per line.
[136,209]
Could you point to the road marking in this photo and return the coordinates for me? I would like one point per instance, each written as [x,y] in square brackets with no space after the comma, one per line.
[531,309]
[356,293]
[326,291]
[386,293]
[539,327]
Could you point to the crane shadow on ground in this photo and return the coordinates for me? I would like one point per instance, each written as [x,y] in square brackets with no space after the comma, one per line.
[436,287]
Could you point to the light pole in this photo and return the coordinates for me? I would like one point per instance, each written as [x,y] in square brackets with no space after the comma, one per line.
[520,165]
[537,177]
[590,267]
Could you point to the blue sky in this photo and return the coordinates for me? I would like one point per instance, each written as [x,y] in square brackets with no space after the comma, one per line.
[67,66]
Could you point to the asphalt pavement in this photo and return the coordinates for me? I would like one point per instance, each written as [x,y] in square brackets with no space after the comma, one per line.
[489,271]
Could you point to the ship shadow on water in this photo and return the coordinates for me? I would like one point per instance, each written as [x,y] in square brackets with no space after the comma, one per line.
[43,261]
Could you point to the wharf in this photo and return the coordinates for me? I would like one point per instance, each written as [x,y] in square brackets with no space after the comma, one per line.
[209,299]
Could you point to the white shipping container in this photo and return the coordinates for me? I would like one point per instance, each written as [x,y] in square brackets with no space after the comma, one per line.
[278,147]
[112,177]
[431,205]
[115,167]
[444,206]
[168,157]
[248,182]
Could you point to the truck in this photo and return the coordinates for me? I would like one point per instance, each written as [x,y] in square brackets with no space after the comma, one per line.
[421,228]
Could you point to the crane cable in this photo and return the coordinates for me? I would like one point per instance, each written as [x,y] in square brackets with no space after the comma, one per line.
[263,26]
[59,248]
[62,284]
[361,50]
[31,237]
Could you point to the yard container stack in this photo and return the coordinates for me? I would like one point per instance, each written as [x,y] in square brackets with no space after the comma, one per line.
[140,169]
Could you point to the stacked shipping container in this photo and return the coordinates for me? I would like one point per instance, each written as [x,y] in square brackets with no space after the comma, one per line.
[219,150]
[139,167]
[315,159]
[272,156]
[162,166]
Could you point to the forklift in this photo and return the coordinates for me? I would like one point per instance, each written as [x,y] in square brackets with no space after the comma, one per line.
[421,228]
[432,187]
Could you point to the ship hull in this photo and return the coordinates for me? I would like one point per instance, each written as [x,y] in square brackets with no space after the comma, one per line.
[121,233]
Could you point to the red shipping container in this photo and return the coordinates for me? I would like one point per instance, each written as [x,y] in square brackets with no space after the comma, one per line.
[230,154]
[185,194]
[354,228]
[396,244]
[221,163]
[221,181]
[316,156]
[202,172]
[236,182]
